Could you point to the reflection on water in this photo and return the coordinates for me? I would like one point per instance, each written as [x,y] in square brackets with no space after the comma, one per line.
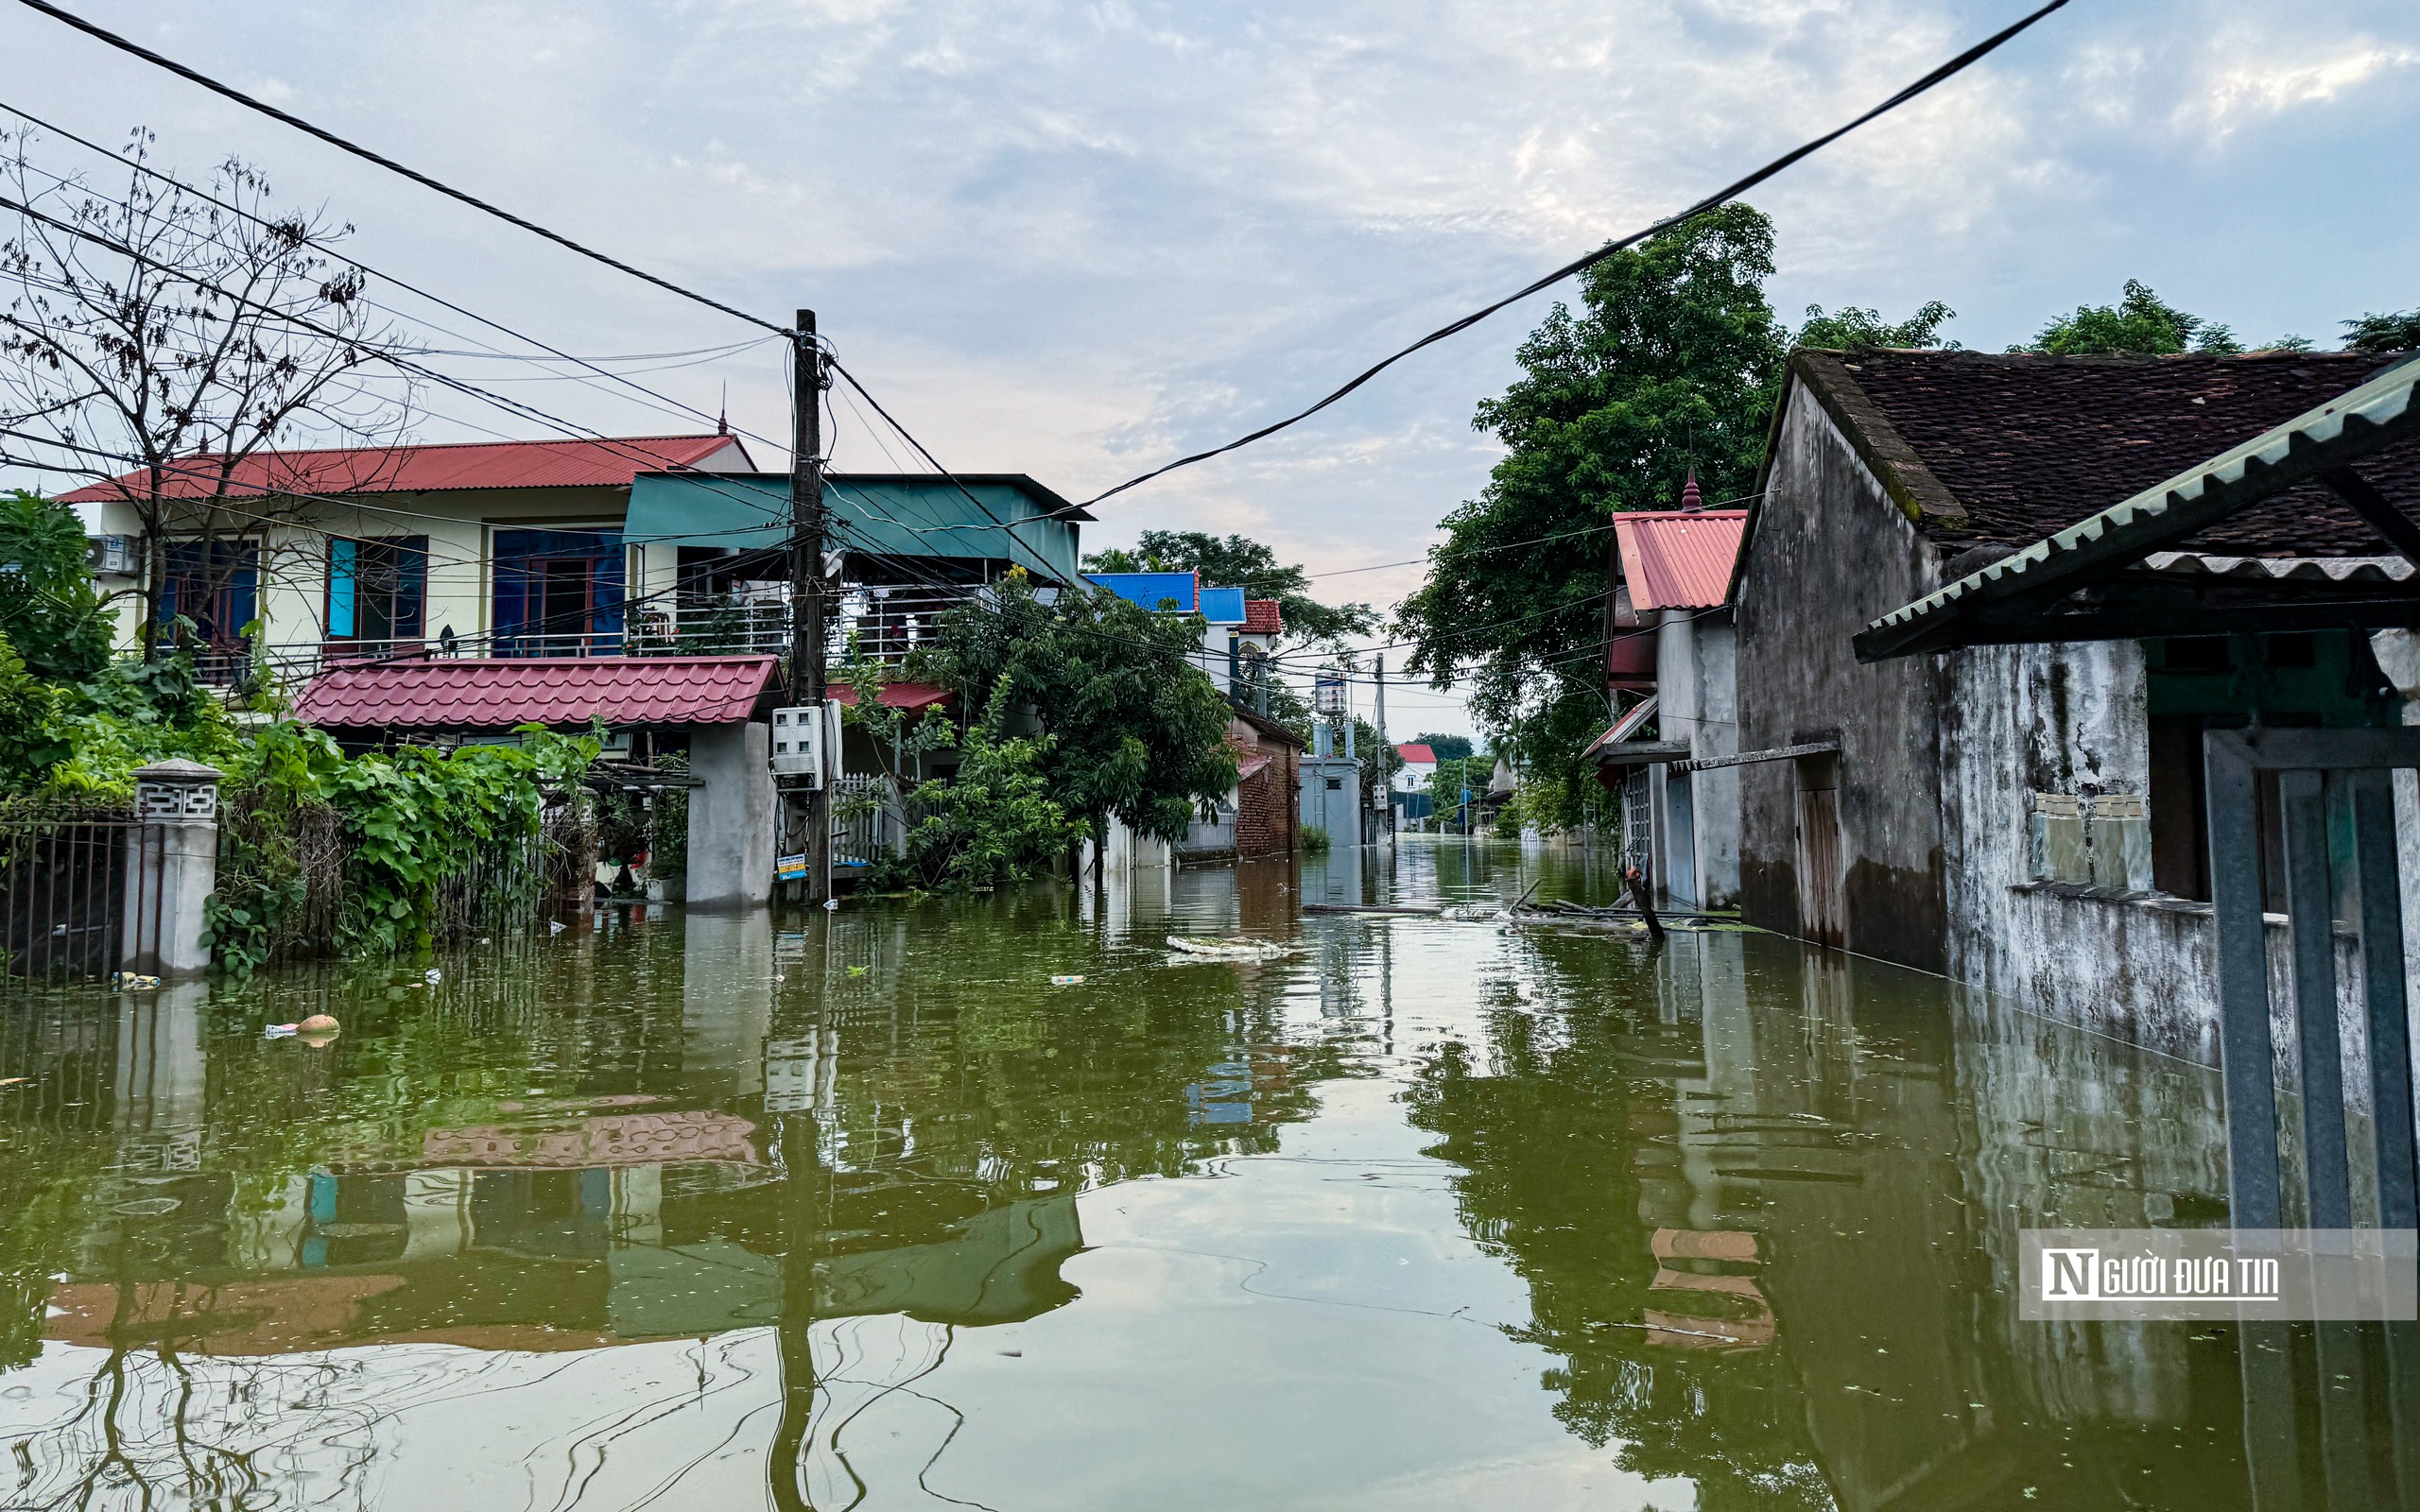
[863,1211]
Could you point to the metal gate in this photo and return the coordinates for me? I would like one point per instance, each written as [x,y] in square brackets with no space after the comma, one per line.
[2336,782]
[64,895]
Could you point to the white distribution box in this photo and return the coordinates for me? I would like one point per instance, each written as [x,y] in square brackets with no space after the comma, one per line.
[806,742]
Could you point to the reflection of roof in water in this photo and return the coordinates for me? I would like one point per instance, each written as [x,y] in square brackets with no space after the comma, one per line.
[1000,1265]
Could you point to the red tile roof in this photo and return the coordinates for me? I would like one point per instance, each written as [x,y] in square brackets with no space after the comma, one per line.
[426,694]
[906,696]
[1417,753]
[1262,618]
[1679,559]
[610,463]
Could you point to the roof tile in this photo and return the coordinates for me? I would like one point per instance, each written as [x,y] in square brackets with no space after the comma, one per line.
[2030,444]
[499,695]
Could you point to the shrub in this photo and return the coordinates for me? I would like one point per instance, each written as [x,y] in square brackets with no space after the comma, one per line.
[1315,839]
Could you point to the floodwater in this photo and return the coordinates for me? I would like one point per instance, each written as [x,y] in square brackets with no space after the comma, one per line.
[866,1211]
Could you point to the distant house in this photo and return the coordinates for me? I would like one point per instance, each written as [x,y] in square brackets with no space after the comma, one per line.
[1236,630]
[2028,817]
[1668,634]
[1409,791]
[574,548]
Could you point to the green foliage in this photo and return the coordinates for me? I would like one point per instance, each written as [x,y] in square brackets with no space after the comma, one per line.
[30,740]
[1851,329]
[1238,561]
[1445,747]
[994,823]
[1453,779]
[2139,324]
[48,608]
[1314,840]
[417,817]
[1564,802]
[2382,334]
[134,714]
[1136,732]
[1672,361]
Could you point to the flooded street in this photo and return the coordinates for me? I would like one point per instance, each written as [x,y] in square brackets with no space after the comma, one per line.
[865,1211]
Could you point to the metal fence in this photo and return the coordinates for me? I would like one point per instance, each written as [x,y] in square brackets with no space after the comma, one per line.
[868,823]
[64,895]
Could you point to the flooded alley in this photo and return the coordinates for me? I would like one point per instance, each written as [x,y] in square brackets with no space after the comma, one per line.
[1000,1202]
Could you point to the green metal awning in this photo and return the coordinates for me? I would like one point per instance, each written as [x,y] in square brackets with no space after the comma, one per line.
[1003,518]
[2035,594]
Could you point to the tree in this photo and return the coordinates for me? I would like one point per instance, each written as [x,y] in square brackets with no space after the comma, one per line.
[2139,324]
[1237,561]
[1851,329]
[2382,334]
[1137,732]
[1673,363]
[1445,747]
[153,342]
[48,608]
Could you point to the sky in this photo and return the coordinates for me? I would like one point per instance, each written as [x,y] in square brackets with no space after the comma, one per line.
[1077,240]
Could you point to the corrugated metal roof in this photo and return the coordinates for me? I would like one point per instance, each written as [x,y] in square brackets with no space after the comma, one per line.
[423,693]
[1674,558]
[2354,425]
[1150,590]
[1629,724]
[569,464]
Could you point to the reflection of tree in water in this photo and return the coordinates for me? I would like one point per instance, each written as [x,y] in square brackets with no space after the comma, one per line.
[1548,1130]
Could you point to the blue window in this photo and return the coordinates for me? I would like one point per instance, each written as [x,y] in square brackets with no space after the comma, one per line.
[378,589]
[216,585]
[558,592]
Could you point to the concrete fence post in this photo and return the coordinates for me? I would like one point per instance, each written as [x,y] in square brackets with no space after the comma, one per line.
[174,868]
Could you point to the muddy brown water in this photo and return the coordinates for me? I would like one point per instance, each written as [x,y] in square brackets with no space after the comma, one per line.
[866,1211]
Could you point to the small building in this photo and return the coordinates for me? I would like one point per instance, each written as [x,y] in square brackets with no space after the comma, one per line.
[2028,817]
[714,708]
[1668,634]
[1408,789]
[1268,759]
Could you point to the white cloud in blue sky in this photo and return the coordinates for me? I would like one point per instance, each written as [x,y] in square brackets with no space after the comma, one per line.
[1073,239]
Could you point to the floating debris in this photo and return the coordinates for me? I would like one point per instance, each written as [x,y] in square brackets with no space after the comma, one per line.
[1475,913]
[132,982]
[1228,948]
[1074,980]
[148,1207]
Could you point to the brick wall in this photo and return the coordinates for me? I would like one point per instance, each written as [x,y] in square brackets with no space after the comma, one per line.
[1264,808]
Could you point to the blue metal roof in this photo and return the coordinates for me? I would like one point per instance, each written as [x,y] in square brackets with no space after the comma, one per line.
[1223,606]
[1153,591]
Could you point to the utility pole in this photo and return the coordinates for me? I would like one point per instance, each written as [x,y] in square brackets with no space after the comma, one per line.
[807,605]
[1386,753]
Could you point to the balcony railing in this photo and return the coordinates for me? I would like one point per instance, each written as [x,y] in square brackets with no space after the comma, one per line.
[886,623]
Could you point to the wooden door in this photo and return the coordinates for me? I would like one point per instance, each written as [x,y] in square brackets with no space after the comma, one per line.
[1823,911]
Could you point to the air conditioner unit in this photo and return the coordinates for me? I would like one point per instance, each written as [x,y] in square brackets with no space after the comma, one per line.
[111,556]
[806,742]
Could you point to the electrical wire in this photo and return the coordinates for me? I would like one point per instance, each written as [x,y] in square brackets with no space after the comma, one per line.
[1583,263]
[194,75]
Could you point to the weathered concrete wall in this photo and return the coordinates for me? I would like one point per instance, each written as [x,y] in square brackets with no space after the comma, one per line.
[1830,554]
[730,816]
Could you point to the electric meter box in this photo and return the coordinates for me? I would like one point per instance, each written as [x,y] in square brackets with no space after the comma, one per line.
[806,742]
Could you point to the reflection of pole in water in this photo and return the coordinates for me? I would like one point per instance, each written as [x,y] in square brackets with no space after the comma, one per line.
[805,1220]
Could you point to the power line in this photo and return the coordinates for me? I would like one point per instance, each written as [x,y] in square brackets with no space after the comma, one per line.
[127,45]
[323,248]
[1578,265]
